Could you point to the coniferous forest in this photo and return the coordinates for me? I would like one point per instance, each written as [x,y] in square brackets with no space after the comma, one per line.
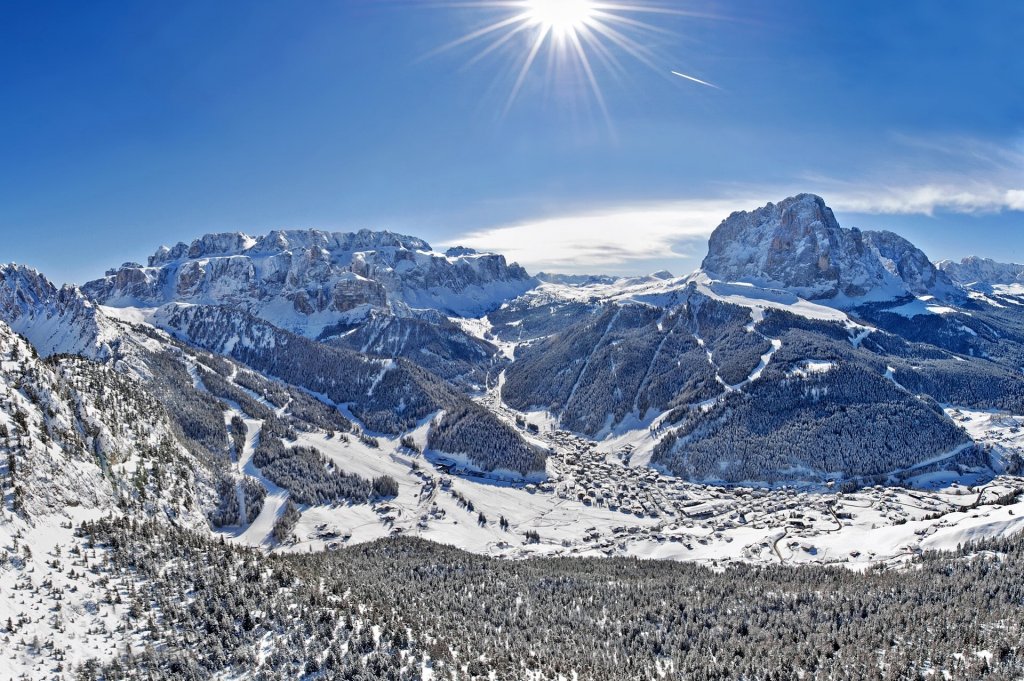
[394,608]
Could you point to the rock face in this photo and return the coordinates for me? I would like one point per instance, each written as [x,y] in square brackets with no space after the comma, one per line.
[55,321]
[974,270]
[798,245]
[308,280]
[909,263]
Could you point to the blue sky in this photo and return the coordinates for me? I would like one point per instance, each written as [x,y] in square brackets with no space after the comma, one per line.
[125,126]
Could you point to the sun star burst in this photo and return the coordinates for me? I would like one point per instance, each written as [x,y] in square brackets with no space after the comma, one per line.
[560,17]
[585,36]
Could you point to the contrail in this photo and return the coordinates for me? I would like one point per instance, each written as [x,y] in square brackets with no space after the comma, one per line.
[695,80]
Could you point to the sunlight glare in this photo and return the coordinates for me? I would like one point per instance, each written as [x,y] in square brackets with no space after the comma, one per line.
[561,17]
[577,39]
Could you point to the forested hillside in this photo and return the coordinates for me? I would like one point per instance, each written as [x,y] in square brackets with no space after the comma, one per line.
[387,395]
[396,609]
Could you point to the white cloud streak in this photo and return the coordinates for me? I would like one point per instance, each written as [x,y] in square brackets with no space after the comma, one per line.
[608,239]
[929,199]
[624,237]
[695,80]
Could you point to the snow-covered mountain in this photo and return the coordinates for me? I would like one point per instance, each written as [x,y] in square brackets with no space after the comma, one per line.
[389,396]
[975,271]
[56,321]
[425,337]
[799,246]
[82,437]
[575,279]
[310,281]
[801,351]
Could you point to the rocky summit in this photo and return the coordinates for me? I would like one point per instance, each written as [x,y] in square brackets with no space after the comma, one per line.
[798,245]
[308,280]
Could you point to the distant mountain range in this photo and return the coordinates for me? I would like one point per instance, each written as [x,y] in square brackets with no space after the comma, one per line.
[982,272]
[309,282]
[800,351]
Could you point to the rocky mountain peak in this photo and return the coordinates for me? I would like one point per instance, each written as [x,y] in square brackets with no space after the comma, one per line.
[797,244]
[55,320]
[985,271]
[909,263]
[279,241]
[309,280]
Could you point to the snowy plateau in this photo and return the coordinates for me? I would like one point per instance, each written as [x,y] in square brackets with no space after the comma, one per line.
[812,396]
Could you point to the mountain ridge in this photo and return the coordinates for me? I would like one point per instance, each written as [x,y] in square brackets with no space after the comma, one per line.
[973,270]
[56,321]
[790,313]
[308,280]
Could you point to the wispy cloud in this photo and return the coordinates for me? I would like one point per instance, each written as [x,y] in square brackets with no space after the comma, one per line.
[625,237]
[929,199]
[622,238]
[610,238]
[928,176]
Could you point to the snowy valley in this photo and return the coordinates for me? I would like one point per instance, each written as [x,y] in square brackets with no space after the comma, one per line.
[812,396]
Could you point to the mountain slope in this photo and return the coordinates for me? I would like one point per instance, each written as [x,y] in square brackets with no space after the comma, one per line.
[390,396]
[79,435]
[428,339]
[781,397]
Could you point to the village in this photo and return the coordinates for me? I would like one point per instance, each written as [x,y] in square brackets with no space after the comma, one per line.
[605,500]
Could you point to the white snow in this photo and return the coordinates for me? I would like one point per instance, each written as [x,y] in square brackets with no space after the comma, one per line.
[40,594]
[1016,290]
[131,315]
[811,366]
[921,306]
[756,298]
[662,292]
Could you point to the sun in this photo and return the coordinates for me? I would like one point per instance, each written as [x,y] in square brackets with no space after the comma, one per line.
[576,38]
[561,17]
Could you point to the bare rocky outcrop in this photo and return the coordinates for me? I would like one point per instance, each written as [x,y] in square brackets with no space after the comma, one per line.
[797,244]
[306,280]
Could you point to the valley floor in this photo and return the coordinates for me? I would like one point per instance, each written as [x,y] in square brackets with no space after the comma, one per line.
[601,499]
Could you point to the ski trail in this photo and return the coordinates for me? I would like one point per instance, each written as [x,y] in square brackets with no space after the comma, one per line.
[258,531]
[711,361]
[375,335]
[858,338]
[243,517]
[759,369]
